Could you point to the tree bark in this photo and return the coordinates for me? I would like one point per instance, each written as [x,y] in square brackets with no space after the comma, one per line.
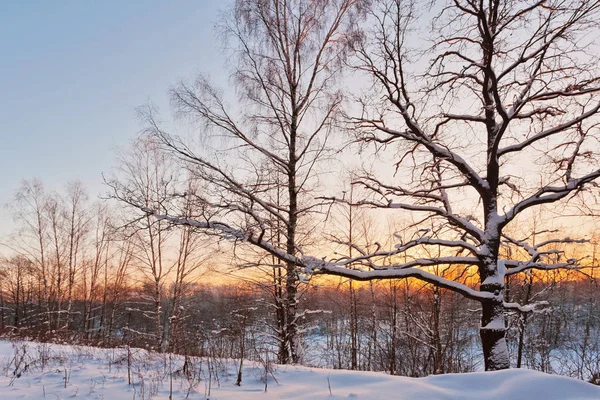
[493,336]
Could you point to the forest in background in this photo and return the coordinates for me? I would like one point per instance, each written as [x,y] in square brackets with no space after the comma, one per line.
[443,154]
[77,275]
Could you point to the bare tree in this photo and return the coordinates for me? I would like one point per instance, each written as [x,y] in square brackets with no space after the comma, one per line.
[497,116]
[31,241]
[189,260]
[17,271]
[502,83]
[92,267]
[115,281]
[149,180]
[288,57]
[76,221]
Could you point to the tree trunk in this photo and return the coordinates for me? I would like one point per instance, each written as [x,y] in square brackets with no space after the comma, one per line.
[291,281]
[493,336]
[353,329]
[438,364]
[282,354]
[291,337]
[394,329]
[523,324]
[492,274]
[373,336]
[2,316]
[157,317]
[17,298]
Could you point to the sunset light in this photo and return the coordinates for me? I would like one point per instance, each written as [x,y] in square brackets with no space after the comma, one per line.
[375,185]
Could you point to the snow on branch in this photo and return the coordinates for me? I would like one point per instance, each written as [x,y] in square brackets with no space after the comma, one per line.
[549,194]
[454,219]
[402,248]
[416,134]
[223,229]
[535,251]
[514,267]
[322,267]
[410,269]
[313,265]
[532,307]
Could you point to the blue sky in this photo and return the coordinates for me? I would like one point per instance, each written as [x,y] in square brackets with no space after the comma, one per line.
[73,72]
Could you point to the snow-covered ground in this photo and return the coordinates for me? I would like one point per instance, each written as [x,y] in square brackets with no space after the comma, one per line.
[41,371]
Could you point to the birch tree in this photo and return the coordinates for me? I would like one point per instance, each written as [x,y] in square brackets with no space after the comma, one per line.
[287,57]
[31,241]
[163,255]
[149,181]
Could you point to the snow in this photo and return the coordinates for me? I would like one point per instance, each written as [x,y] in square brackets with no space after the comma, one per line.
[532,307]
[498,277]
[102,374]
[497,324]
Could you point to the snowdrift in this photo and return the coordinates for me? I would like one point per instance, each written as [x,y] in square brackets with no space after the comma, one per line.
[42,371]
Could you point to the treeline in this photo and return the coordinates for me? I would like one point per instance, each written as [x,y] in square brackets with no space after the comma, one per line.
[93,287]
[76,273]
[73,264]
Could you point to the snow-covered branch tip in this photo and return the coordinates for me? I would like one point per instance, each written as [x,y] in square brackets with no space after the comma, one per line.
[224,230]
[538,306]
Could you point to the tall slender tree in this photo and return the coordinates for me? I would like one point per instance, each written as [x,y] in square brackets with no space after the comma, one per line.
[288,57]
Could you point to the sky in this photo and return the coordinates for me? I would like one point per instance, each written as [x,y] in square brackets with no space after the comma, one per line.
[74,72]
